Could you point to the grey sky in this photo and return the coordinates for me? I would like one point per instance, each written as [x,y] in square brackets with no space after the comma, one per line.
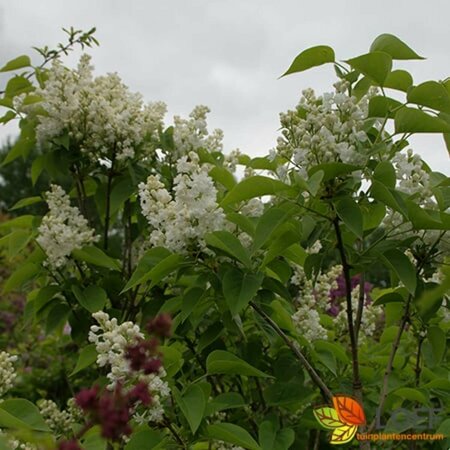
[228,54]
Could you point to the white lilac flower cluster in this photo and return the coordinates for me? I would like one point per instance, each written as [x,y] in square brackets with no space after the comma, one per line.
[192,134]
[15,444]
[59,421]
[63,229]
[369,320]
[100,114]
[111,341]
[324,129]
[312,300]
[414,180]
[180,222]
[7,372]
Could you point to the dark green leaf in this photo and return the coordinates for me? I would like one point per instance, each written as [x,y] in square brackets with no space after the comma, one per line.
[229,432]
[350,213]
[93,255]
[193,405]
[239,288]
[93,298]
[256,186]
[400,264]
[87,357]
[230,244]
[222,362]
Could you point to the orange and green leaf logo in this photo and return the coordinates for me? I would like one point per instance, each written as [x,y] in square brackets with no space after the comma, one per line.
[343,419]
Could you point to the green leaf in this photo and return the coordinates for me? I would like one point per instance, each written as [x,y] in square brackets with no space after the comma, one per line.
[26,202]
[381,106]
[375,65]
[20,276]
[412,120]
[388,197]
[385,173]
[227,400]
[222,176]
[268,223]
[271,438]
[239,288]
[400,80]
[400,264]
[229,432]
[16,63]
[24,144]
[193,405]
[93,298]
[87,357]
[222,362]
[172,359]
[333,170]
[438,341]
[373,214]
[21,414]
[230,244]
[279,244]
[93,255]
[17,85]
[256,186]
[350,213]
[7,117]
[431,299]
[414,395]
[190,299]
[392,45]
[56,317]
[37,167]
[311,57]
[145,439]
[432,94]
[444,428]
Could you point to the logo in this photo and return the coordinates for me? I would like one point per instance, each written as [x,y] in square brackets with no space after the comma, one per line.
[343,418]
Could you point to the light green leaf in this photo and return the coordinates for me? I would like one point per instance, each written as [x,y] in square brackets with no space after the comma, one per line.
[239,288]
[311,57]
[87,357]
[432,94]
[190,299]
[229,432]
[414,395]
[16,63]
[392,45]
[350,213]
[333,170]
[222,362]
[26,202]
[256,186]
[21,414]
[411,120]
[375,65]
[222,176]
[400,80]
[230,244]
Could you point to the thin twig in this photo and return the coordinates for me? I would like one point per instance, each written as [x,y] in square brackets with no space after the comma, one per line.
[297,352]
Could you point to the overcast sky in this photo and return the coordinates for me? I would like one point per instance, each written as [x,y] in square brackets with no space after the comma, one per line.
[228,54]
